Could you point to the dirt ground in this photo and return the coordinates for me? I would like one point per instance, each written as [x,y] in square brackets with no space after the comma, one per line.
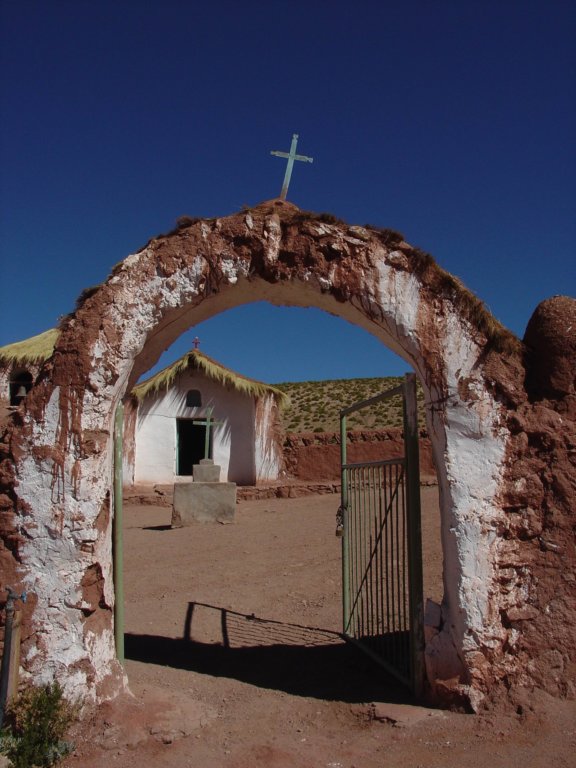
[234,659]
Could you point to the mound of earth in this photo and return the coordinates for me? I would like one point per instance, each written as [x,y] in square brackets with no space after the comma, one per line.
[550,340]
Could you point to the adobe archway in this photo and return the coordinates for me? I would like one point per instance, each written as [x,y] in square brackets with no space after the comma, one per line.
[57,476]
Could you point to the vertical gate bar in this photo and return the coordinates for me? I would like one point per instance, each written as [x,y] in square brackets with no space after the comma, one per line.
[399,543]
[358,552]
[396,564]
[395,568]
[382,559]
[353,549]
[378,475]
[360,555]
[404,578]
[406,562]
[383,548]
[360,517]
[408,581]
[405,626]
[415,538]
[400,567]
[345,528]
[391,568]
[378,576]
[376,570]
[362,558]
[369,545]
[392,553]
[390,533]
[387,533]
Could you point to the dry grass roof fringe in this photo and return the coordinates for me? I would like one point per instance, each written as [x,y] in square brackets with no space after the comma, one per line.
[186,221]
[36,349]
[214,371]
[86,294]
[182,222]
[326,218]
[473,309]
[388,236]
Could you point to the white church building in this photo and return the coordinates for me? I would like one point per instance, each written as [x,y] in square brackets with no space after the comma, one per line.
[196,408]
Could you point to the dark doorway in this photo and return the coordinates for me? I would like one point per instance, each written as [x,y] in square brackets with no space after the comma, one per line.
[191,435]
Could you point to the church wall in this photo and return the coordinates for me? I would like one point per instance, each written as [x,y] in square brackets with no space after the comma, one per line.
[269,451]
[4,384]
[233,436]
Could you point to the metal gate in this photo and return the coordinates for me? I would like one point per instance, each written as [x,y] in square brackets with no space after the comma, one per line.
[379,520]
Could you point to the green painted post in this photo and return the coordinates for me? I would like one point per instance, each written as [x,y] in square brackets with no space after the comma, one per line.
[118,545]
[345,529]
[416,590]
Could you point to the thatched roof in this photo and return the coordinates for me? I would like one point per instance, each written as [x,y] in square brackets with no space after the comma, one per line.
[39,348]
[198,361]
[36,349]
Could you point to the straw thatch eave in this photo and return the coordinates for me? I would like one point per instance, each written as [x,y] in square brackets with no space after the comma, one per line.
[200,362]
[36,349]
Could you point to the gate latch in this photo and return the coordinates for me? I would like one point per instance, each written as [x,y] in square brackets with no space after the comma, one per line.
[340,521]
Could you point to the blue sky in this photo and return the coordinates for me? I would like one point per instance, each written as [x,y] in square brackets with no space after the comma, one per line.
[453,122]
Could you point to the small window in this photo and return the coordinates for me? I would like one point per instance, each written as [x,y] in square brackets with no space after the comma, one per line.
[193,398]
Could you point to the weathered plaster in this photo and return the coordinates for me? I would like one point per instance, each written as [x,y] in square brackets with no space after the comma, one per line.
[488,629]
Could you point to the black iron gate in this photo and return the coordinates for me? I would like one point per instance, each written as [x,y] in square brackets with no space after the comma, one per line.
[382,594]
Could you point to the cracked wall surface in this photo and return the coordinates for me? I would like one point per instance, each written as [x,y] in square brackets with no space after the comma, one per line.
[503,448]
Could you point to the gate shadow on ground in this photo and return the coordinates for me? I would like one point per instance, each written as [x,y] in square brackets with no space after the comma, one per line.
[299,660]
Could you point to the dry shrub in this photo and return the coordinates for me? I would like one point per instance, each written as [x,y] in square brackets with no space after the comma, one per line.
[37,722]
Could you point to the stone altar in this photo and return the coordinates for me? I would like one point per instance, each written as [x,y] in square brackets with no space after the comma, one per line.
[205,499]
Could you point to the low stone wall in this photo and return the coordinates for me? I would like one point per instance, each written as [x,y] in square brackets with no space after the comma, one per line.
[311,466]
[316,455]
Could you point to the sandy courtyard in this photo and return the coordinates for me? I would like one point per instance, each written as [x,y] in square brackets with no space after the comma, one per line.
[234,659]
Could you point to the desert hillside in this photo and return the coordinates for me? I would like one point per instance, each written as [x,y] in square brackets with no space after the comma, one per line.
[315,405]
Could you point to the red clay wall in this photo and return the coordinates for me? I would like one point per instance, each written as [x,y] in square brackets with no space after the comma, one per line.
[316,455]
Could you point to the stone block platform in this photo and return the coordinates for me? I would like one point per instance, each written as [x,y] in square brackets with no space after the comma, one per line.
[205,499]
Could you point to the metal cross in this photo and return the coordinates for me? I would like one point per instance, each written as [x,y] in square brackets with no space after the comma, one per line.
[196,342]
[291,156]
[209,422]
[207,440]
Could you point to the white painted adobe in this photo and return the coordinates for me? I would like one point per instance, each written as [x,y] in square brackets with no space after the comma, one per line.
[242,445]
[64,461]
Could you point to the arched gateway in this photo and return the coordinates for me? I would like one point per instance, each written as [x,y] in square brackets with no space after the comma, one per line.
[502,625]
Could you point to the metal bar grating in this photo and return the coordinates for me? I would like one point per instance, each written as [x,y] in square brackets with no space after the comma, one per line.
[377,579]
[382,550]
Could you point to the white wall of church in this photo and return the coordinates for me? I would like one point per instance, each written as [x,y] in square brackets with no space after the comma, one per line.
[4,383]
[156,444]
[268,450]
